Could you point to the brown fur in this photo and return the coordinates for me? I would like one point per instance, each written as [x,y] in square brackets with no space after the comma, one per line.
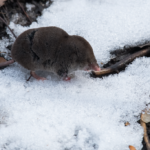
[52,49]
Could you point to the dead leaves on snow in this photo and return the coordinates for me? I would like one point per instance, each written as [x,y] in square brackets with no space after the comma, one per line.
[130,146]
[145,118]
[2,59]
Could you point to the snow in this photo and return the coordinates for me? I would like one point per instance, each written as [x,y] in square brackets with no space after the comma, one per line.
[29,6]
[85,113]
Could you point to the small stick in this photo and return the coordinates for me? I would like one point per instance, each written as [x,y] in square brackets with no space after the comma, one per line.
[117,71]
[29,77]
[8,26]
[148,44]
[4,16]
[38,5]
[24,11]
[146,139]
[6,12]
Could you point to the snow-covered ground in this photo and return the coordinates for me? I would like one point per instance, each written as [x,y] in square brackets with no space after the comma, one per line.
[85,113]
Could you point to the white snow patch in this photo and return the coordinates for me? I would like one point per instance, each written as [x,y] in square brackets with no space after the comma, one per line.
[29,6]
[84,113]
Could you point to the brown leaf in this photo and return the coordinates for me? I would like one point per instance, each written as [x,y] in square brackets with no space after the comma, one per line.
[127,124]
[2,59]
[2,2]
[131,147]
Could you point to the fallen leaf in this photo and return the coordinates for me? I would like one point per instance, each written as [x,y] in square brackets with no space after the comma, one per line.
[127,124]
[2,59]
[131,147]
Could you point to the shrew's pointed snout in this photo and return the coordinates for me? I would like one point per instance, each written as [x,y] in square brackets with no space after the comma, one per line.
[94,67]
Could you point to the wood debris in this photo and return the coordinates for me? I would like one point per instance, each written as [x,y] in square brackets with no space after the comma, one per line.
[146,139]
[123,60]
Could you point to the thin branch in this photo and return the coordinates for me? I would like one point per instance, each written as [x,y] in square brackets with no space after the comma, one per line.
[38,5]
[121,64]
[24,11]
[8,27]
[148,44]
[6,13]
[4,16]
[29,77]
[146,139]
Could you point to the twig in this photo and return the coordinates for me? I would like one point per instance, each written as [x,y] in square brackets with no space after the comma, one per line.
[121,64]
[38,5]
[4,16]
[146,139]
[8,26]
[24,11]
[29,77]
[148,44]
[6,12]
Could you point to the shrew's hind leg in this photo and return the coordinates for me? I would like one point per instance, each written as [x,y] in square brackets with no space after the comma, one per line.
[33,74]
[64,74]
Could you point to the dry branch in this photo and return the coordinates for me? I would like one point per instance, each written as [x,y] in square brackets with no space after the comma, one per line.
[146,139]
[121,64]
[148,44]
[8,26]
[24,11]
